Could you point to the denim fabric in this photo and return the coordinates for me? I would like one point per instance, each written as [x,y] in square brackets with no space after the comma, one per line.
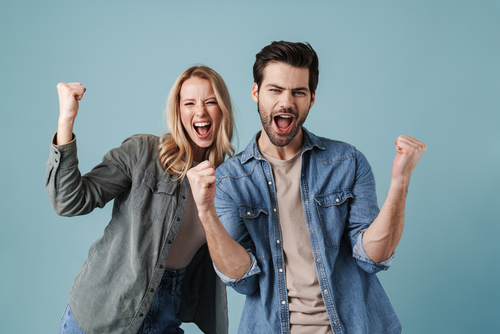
[162,316]
[68,323]
[115,287]
[337,188]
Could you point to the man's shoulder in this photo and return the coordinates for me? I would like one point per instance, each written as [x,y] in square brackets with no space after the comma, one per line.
[329,150]
[231,167]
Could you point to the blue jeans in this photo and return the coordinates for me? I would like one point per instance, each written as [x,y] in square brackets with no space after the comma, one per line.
[162,315]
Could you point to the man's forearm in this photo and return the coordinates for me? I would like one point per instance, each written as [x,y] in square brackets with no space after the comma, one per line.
[383,235]
[228,256]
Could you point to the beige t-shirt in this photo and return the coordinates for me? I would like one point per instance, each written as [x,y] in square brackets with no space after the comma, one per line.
[306,306]
[189,239]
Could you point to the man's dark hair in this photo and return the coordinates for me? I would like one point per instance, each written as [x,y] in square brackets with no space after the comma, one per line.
[293,54]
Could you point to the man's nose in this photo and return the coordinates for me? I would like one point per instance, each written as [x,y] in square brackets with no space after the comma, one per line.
[287,100]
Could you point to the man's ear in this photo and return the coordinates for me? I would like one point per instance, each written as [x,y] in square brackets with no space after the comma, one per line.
[255,93]
[313,99]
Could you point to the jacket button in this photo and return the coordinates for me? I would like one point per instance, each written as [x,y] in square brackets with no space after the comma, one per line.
[336,323]
[318,259]
[152,290]
[141,315]
[169,242]
[283,302]
[307,202]
[337,200]
[281,270]
[277,241]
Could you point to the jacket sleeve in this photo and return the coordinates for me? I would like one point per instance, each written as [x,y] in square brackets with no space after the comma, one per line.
[227,210]
[363,210]
[72,194]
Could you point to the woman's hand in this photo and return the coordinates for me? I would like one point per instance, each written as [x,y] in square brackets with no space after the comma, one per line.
[202,182]
[69,95]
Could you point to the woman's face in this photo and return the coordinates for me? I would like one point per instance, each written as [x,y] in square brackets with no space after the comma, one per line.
[200,114]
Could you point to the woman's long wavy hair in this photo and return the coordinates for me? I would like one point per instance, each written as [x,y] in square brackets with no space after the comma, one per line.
[174,150]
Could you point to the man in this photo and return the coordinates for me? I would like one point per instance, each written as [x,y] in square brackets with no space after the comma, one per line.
[304,233]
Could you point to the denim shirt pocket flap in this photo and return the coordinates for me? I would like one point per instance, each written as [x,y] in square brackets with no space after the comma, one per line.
[165,187]
[251,212]
[334,198]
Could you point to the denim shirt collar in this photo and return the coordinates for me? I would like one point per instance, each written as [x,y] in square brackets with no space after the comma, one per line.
[252,150]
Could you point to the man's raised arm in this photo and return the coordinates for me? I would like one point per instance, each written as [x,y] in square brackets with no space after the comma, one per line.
[383,235]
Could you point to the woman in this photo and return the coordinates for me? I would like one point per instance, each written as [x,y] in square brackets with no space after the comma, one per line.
[154,247]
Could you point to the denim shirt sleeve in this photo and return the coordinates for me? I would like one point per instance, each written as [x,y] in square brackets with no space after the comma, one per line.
[363,211]
[365,262]
[239,284]
[71,193]
[228,213]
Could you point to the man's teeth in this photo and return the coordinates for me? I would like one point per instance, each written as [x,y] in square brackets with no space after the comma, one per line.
[285,116]
[202,124]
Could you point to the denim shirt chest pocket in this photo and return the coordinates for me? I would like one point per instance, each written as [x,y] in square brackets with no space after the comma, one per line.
[256,220]
[333,209]
[153,196]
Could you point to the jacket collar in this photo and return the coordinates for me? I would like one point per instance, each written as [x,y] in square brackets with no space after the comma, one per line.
[252,150]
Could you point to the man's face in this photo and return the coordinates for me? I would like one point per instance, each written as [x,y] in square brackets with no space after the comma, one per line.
[283,101]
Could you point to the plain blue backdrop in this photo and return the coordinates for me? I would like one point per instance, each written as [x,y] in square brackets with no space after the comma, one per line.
[429,69]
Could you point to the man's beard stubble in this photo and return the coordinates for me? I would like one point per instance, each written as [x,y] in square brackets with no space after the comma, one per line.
[267,120]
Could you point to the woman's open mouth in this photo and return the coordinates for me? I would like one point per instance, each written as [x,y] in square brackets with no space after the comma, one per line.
[202,129]
[283,123]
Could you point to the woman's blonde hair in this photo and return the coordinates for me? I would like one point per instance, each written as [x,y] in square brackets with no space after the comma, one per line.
[174,150]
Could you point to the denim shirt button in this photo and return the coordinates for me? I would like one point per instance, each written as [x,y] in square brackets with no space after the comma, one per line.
[337,200]
[318,259]
[311,232]
[248,213]
[307,202]
[277,241]
[270,183]
[274,209]
[326,292]
[283,302]
[336,323]
[281,270]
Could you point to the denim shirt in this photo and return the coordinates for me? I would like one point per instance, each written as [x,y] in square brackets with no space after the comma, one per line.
[113,290]
[337,189]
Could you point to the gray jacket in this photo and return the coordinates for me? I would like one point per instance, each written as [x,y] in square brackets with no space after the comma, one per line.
[113,290]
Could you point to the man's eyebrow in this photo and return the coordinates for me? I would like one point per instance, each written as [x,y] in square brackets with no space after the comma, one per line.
[294,89]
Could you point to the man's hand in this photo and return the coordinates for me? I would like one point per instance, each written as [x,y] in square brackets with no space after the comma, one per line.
[408,152]
[202,181]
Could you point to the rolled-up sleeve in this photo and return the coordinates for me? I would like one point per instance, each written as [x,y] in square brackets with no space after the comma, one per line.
[228,213]
[363,210]
[365,262]
[240,284]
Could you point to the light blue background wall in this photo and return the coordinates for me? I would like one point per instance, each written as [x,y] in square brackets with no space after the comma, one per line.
[429,69]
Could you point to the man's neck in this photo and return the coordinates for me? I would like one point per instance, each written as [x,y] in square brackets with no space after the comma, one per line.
[283,153]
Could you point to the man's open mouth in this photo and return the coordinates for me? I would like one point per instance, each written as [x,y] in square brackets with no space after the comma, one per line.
[283,122]
[202,129]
